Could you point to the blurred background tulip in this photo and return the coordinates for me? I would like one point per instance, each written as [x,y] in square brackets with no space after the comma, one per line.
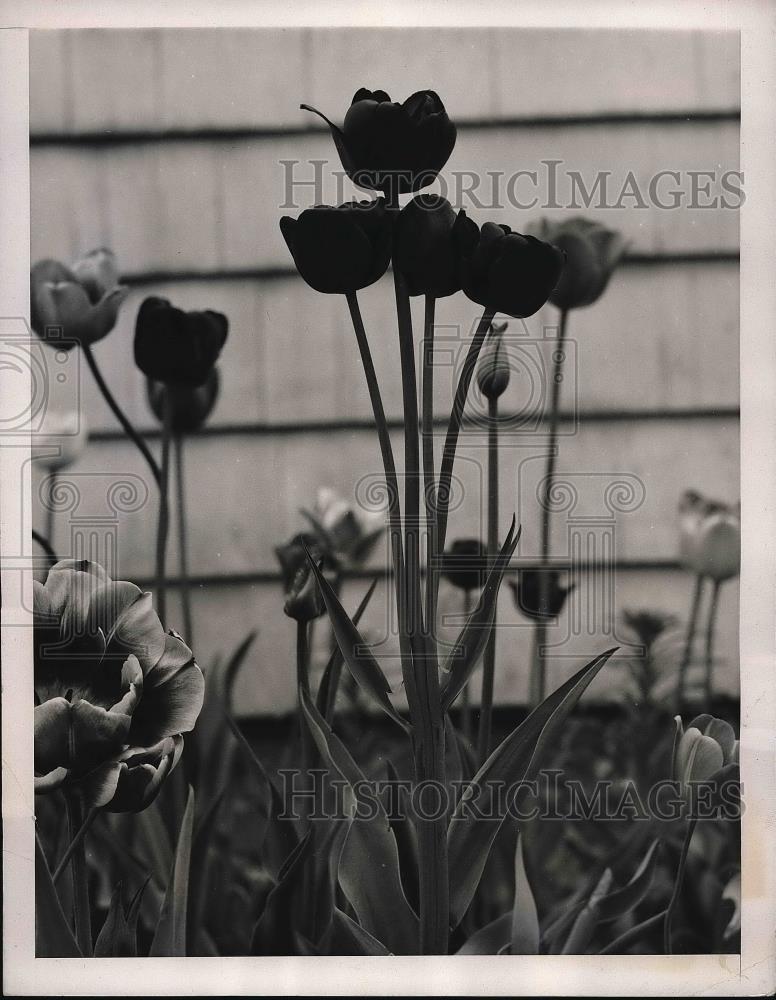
[592,253]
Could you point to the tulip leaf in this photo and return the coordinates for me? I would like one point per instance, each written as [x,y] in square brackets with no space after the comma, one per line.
[369,867]
[623,900]
[53,936]
[525,917]
[479,814]
[588,918]
[273,933]
[362,665]
[473,637]
[118,936]
[170,936]
[350,938]
[327,693]
[233,666]
[490,939]
[201,858]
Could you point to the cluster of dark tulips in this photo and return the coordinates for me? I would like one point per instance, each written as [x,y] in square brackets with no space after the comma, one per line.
[116,690]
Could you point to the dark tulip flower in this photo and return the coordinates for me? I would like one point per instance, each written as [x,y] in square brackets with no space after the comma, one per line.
[340,250]
[528,596]
[78,304]
[425,249]
[391,147]
[592,253]
[292,557]
[304,601]
[505,271]
[177,347]
[465,564]
[191,404]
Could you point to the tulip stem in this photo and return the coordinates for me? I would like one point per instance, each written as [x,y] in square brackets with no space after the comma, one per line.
[692,624]
[183,542]
[427,434]
[119,414]
[669,914]
[489,659]
[428,724]
[712,621]
[391,484]
[539,673]
[163,525]
[303,685]
[83,830]
[451,443]
[466,713]
[50,504]
[80,873]
[45,545]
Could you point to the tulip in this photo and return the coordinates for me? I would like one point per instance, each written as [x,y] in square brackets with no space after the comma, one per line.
[191,405]
[292,556]
[63,435]
[76,305]
[340,250]
[528,597]
[425,247]
[592,253]
[304,601]
[709,537]
[505,271]
[647,626]
[113,691]
[493,369]
[346,533]
[465,564]
[707,751]
[391,147]
[177,347]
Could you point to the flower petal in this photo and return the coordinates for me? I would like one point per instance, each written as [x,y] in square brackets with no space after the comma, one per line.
[137,630]
[172,696]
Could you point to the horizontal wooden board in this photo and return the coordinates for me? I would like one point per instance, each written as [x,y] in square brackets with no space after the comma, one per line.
[97,79]
[244,492]
[202,205]
[660,338]
[266,684]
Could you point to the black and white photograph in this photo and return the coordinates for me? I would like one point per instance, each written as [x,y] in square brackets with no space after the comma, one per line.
[388,490]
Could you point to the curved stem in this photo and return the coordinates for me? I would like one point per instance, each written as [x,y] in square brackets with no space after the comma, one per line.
[72,846]
[392,486]
[427,435]
[81,905]
[669,915]
[538,679]
[119,414]
[466,712]
[52,489]
[489,658]
[692,624]
[183,542]
[45,545]
[710,625]
[163,524]
[451,443]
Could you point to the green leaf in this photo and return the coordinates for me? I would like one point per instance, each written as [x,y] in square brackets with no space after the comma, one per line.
[325,697]
[369,868]
[588,918]
[201,858]
[623,900]
[363,666]
[525,917]
[53,937]
[118,936]
[471,642]
[490,939]
[350,938]
[170,937]
[233,665]
[472,829]
[274,930]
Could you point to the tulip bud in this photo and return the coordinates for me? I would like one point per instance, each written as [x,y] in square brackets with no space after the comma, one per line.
[60,439]
[493,369]
[177,347]
[191,405]
[707,751]
[292,556]
[718,547]
[340,250]
[530,601]
[691,510]
[505,271]
[304,601]
[394,148]
[425,249]
[77,305]
[592,253]
[465,564]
